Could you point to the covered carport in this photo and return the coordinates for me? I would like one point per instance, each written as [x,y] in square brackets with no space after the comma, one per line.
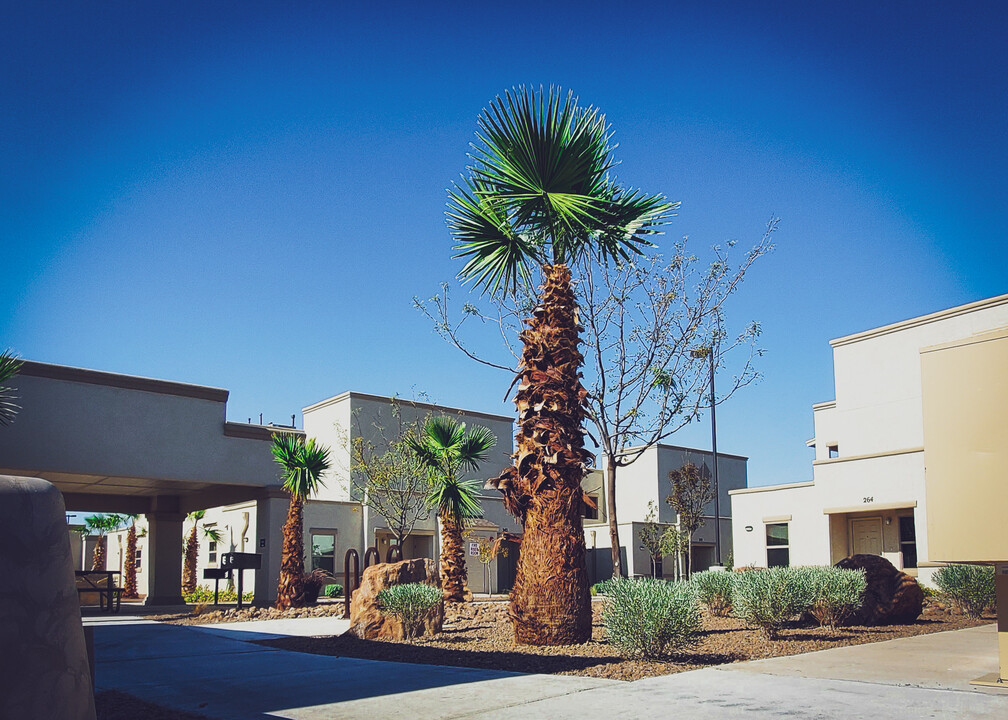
[127,444]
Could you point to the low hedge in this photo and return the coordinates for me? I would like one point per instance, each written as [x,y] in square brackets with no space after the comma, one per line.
[714,590]
[205,595]
[409,603]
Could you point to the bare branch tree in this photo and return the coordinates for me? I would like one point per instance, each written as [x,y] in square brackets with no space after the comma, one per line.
[644,321]
[388,476]
[691,492]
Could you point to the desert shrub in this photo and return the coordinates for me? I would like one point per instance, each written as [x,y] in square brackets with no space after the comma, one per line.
[769,598]
[333,590]
[651,618]
[970,588]
[603,587]
[409,603]
[714,590]
[313,584]
[204,595]
[831,593]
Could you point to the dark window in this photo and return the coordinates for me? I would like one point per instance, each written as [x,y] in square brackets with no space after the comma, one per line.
[834,451]
[778,552]
[908,541]
[324,552]
[587,511]
[139,564]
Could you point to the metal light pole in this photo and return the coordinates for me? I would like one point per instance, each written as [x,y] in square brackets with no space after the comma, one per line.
[709,353]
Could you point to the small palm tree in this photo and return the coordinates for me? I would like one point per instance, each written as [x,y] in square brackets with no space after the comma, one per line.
[539,195]
[189,579]
[101,525]
[446,450]
[302,462]
[9,367]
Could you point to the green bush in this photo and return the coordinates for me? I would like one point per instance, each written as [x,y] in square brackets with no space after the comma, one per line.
[333,590]
[651,618]
[970,588]
[832,593]
[714,590]
[769,598]
[205,595]
[603,587]
[409,603]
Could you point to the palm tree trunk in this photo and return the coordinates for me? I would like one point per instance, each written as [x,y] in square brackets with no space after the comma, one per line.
[191,556]
[129,571]
[290,589]
[550,603]
[452,565]
[98,557]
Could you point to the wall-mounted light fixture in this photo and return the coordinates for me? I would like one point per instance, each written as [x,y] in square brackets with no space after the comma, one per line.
[888,521]
[748,528]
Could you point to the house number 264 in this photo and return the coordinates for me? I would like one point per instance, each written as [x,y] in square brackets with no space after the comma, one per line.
[869,499]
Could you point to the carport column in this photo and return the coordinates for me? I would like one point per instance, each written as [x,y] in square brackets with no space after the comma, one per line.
[271,513]
[164,552]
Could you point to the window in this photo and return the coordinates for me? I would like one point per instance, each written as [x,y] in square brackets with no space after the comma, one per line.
[587,511]
[834,451]
[323,550]
[778,553]
[212,549]
[908,541]
[139,564]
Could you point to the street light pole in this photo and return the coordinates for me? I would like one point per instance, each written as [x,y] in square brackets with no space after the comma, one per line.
[717,494]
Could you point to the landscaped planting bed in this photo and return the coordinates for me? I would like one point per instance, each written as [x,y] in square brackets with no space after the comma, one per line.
[479,635]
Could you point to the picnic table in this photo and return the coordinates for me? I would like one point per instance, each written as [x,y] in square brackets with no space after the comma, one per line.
[101,582]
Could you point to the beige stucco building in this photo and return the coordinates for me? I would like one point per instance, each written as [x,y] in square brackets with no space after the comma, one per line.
[867,493]
[645,482]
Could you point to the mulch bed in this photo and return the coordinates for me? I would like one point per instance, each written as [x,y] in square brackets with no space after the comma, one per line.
[479,635]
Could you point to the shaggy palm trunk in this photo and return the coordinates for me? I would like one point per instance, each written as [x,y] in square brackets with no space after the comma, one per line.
[129,571]
[98,557]
[550,603]
[189,566]
[290,589]
[452,565]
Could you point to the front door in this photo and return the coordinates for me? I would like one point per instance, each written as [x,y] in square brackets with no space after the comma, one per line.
[866,536]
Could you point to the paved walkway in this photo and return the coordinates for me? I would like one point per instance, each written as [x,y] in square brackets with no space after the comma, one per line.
[214,671]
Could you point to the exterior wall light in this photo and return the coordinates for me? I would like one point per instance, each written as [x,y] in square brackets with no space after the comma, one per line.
[748,528]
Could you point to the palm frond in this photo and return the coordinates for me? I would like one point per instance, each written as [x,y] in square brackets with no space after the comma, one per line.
[456,498]
[10,365]
[474,447]
[302,463]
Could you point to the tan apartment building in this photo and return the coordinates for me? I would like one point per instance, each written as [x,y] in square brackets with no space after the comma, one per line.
[867,493]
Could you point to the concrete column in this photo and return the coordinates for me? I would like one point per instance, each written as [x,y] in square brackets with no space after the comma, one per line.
[45,657]
[271,513]
[164,552]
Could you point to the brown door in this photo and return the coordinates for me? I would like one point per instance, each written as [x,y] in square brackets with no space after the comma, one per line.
[866,536]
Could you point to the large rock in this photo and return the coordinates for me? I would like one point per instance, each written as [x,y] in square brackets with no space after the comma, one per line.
[891,598]
[368,622]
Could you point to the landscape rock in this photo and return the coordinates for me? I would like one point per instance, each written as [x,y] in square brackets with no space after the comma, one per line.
[368,622]
[891,598]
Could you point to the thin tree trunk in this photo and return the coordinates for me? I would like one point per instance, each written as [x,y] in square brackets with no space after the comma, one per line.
[617,564]
[290,587]
[550,603]
[129,571]
[452,564]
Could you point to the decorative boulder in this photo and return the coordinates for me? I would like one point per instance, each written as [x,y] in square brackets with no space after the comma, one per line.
[891,598]
[367,620]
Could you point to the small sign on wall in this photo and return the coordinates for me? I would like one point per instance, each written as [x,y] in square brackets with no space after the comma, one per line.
[262,542]
[474,549]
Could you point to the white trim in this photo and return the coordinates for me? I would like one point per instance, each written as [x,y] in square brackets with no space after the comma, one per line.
[776,519]
[869,456]
[871,507]
[768,488]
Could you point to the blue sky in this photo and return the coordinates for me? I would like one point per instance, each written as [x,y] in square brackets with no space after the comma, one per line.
[250,195]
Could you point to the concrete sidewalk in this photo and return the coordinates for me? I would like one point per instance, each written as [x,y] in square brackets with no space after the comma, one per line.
[219,675]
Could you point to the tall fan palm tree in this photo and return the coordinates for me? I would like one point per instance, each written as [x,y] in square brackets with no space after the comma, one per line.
[446,451]
[9,367]
[189,578]
[101,525]
[539,194]
[302,462]
[129,563]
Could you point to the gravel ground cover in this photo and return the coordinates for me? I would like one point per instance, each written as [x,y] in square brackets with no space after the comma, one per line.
[115,705]
[479,635]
